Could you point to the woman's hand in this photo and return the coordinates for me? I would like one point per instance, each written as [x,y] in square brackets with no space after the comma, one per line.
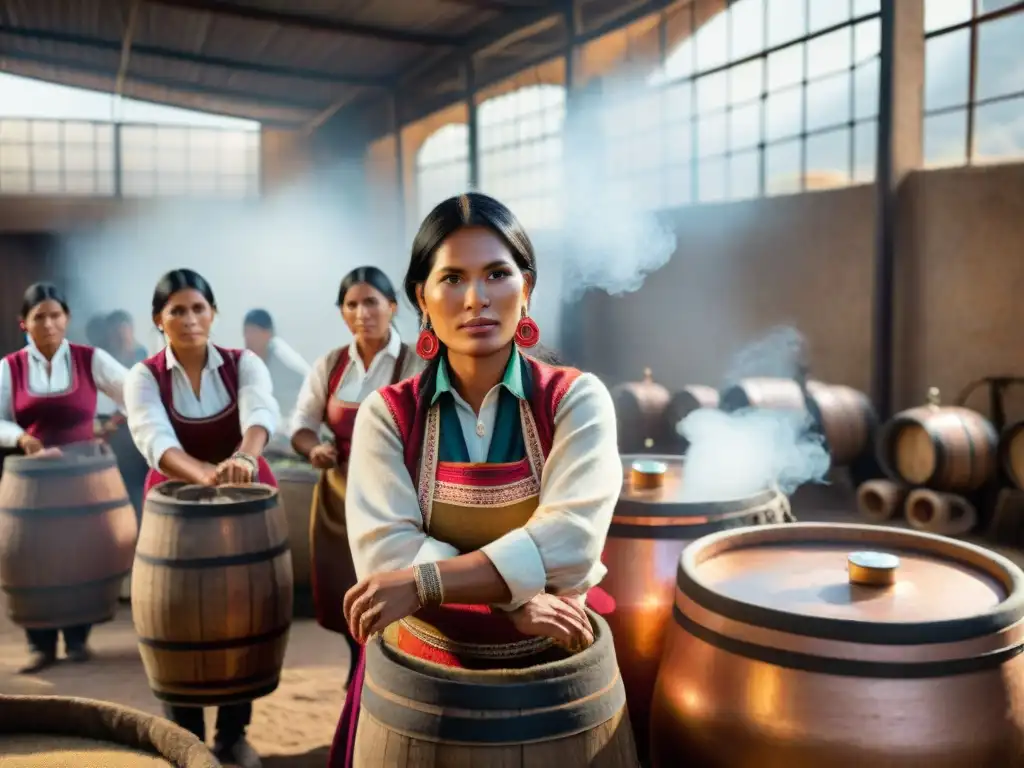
[235,470]
[560,618]
[29,444]
[207,475]
[324,456]
[380,600]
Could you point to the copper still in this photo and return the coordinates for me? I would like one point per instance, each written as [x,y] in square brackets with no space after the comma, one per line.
[651,527]
[813,645]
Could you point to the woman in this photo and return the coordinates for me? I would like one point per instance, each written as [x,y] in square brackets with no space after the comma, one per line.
[480,491]
[48,393]
[201,413]
[330,395]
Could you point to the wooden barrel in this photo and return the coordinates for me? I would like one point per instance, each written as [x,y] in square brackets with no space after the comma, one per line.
[67,535]
[682,404]
[640,411]
[845,417]
[880,500]
[212,593]
[1011,453]
[842,646]
[296,481]
[651,527]
[946,514]
[565,713]
[57,732]
[939,447]
[769,393]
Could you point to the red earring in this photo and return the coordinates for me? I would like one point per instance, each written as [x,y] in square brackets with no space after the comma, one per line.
[527,332]
[427,345]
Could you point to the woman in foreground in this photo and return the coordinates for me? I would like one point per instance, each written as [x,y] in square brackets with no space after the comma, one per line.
[202,414]
[331,394]
[480,491]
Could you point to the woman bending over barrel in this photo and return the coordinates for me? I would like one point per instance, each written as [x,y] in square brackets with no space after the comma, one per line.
[338,383]
[480,491]
[48,393]
[202,414]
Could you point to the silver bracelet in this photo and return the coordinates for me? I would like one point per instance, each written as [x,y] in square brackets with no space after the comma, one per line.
[429,589]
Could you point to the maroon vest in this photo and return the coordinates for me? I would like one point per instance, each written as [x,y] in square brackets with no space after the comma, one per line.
[58,419]
[213,438]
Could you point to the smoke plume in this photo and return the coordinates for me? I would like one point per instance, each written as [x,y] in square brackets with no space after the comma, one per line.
[738,454]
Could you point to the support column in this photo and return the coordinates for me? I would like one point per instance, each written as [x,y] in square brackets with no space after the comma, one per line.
[473,134]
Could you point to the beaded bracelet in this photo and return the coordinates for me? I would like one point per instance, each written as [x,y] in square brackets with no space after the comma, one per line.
[429,589]
[250,460]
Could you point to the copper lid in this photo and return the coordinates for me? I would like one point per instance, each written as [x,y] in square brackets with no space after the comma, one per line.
[813,578]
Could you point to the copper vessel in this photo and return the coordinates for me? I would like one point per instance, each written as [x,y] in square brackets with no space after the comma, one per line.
[846,646]
[651,527]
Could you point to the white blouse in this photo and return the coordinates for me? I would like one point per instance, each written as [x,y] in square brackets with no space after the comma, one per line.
[51,377]
[356,383]
[559,548]
[149,423]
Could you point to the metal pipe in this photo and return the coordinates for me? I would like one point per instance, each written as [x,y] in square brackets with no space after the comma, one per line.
[473,126]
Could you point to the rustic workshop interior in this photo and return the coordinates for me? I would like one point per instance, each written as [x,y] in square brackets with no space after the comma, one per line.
[786,234]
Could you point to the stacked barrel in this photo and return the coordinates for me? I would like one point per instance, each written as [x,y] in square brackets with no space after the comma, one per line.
[935,458]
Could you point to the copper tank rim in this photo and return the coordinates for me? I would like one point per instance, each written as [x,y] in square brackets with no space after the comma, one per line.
[646,503]
[993,621]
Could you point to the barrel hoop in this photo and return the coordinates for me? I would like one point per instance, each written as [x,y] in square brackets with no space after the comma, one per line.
[226,644]
[693,532]
[95,508]
[217,699]
[92,618]
[222,561]
[67,587]
[170,508]
[637,507]
[990,622]
[174,687]
[27,466]
[891,670]
[438,724]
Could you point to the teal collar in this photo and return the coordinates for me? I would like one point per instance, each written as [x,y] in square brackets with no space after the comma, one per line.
[512,380]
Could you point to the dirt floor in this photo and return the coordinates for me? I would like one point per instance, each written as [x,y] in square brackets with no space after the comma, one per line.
[292,728]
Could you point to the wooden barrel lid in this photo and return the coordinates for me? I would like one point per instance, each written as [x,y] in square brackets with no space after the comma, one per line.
[177,498]
[858,583]
[74,460]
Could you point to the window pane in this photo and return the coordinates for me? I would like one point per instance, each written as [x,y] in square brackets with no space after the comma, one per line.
[712,180]
[787,21]
[947,68]
[827,13]
[828,159]
[712,135]
[939,14]
[828,101]
[865,86]
[830,53]
[865,143]
[745,126]
[746,28]
[782,168]
[945,139]
[1001,57]
[744,175]
[999,131]
[784,113]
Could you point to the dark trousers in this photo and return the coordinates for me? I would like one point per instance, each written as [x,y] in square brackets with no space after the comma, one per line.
[45,640]
[232,721]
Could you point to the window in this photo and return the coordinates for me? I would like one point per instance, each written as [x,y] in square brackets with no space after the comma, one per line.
[760,97]
[974,107]
[56,157]
[521,152]
[442,166]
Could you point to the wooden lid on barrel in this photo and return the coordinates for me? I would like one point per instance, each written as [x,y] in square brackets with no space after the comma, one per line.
[184,500]
[857,597]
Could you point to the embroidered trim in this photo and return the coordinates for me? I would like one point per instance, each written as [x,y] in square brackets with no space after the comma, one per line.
[426,634]
[428,463]
[486,496]
[534,451]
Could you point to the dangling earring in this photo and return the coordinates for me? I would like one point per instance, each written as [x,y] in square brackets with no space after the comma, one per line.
[427,345]
[527,332]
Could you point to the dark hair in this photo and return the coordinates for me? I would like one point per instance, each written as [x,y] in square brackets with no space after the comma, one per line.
[96,331]
[259,318]
[180,280]
[373,277]
[37,293]
[119,317]
[473,209]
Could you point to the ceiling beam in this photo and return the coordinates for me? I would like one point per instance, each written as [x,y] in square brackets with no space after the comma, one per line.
[233,94]
[314,23]
[126,47]
[202,60]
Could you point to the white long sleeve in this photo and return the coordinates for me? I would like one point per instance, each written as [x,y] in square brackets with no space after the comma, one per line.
[150,425]
[10,432]
[559,548]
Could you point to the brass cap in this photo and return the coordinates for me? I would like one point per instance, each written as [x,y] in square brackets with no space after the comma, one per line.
[645,474]
[872,569]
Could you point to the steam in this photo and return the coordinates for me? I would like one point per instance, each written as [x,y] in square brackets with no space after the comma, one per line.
[286,253]
[734,455]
